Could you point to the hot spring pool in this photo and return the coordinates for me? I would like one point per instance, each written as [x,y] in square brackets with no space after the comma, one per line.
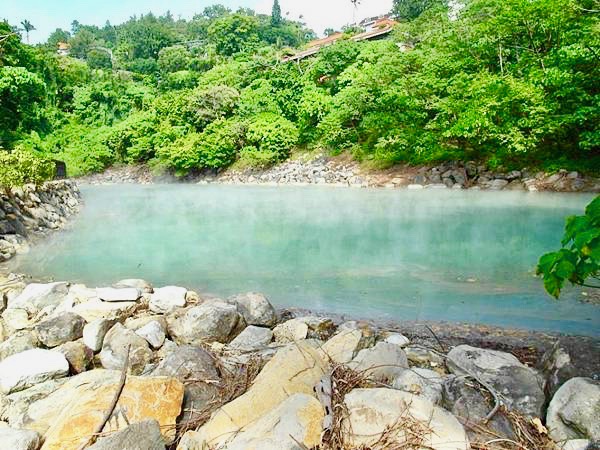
[384,254]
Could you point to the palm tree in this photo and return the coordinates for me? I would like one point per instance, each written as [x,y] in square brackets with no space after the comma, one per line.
[27,26]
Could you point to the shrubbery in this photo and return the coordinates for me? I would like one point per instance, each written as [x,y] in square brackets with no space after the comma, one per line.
[21,166]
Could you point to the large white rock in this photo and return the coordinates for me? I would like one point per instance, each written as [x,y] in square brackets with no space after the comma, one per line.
[290,331]
[252,338]
[166,299]
[424,382]
[398,339]
[37,296]
[16,319]
[574,411]
[116,344]
[153,332]
[382,362]
[118,294]
[372,411]
[342,347]
[210,321]
[97,309]
[31,367]
[94,332]
[13,439]
[521,387]
[256,309]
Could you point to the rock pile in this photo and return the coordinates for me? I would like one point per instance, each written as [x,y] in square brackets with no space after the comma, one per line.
[133,367]
[34,209]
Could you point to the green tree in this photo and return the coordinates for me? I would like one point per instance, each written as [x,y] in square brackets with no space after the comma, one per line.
[173,59]
[99,59]
[19,166]
[27,27]
[233,33]
[578,261]
[276,14]
[81,43]
[57,36]
[411,9]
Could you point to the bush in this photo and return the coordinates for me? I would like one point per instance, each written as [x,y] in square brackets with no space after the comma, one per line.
[207,105]
[251,157]
[273,134]
[20,166]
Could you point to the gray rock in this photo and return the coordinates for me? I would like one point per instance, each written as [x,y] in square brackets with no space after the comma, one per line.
[521,387]
[318,327]
[142,285]
[557,368]
[497,184]
[94,332]
[114,350]
[62,328]
[397,339]
[37,296]
[424,382]
[16,319]
[574,410]
[143,435]
[13,439]
[382,362]
[166,299]
[255,308]
[118,295]
[290,331]
[17,343]
[153,332]
[578,444]
[423,356]
[252,338]
[28,368]
[14,407]
[211,321]
[78,355]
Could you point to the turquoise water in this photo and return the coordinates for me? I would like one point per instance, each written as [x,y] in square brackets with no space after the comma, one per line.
[383,254]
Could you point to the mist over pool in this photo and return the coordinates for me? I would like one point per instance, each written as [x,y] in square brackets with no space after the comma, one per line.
[461,256]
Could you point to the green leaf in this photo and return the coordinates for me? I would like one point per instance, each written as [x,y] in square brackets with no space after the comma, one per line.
[546,262]
[593,210]
[553,285]
[564,269]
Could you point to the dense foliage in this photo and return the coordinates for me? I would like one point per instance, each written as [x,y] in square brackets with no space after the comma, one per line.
[508,82]
[578,261]
[19,166]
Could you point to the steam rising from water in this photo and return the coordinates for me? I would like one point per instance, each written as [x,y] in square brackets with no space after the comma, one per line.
[410,255]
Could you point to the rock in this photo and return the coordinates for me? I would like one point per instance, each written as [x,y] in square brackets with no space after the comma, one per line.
[118,295]
[94,332]
[25,369]
[137,322]
[497,185]
[144,435]
[16,319]
[424,382]
[465,400]
[579,444]
[557,368]
[114,350]
[294,369]
[342,347]
[574,410]
[290,331]
[77,354]
[142,285]
[63,328]
[2,332]
[397,339]
[166,299]
[320,328]
[423,356]
[13,439]
[372,411]
[255,308]
[95,309]
[153,332]
[17,343]
[37,296]
[295,421]
[211,321]
[69,415]
[195,368]
[252,338]
[521,387]
[382,362]
[14,407]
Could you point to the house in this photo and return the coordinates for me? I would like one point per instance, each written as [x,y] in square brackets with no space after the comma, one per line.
[375,28]
[63,49]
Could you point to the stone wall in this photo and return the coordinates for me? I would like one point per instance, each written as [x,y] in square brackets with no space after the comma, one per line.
[32,210]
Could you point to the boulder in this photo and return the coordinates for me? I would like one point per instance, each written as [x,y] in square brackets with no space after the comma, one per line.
[342,347]
[142,285]
[252,338]
[522,388]
[557,368]
[62,328]
[137,322]
[255,308]
[95,309]
[295,423]
[211,321]
[37,296]
[578,444]
[118,295]
[424,382]
[94,332]
[28,368]
[14,407]
[13,439]
[77,354]
[70,415]
[144,435]
[372,411]
[294,369]
[397,339]
[320,328]
[195,368]
[16,319]
[382,362]
[17,343]
[166,299]
[574,411]
[423,356]
[114,350]
[153,332]
[290,331]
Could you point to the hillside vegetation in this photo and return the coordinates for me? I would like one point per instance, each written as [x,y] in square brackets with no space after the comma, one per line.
[509,82]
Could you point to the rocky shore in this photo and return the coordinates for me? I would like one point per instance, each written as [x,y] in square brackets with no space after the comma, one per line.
[138,367]
[31,211]
[318,169]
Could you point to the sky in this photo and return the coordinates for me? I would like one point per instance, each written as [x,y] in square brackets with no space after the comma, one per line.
[47,15]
